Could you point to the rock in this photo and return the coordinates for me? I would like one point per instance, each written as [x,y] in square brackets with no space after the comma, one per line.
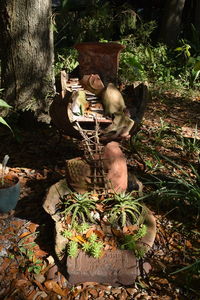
[115,268]
[52,199]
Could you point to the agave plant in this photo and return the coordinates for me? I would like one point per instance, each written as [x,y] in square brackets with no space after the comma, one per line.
[80,207]
[123,207]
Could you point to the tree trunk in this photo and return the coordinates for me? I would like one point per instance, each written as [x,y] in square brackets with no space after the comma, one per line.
[27,53]
[170,27]
[197,16]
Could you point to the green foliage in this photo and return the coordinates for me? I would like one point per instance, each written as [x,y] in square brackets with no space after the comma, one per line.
[86,246]
[180,188]
[80,207]
[4,106]
[66,60]
[123,208]
[142,59]
[67,233]
[35,267]
[129,242]
[82,227]
[193,268]
[119,208]
[190,70]
[144,62]
[190,145]
[92,238]
[31,262]
[72,249]
[96,249]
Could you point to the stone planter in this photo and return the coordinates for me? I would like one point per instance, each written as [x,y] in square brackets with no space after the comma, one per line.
[116,267]
[99,58]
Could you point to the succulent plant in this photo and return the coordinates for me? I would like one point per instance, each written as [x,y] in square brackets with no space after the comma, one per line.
[72,249]
[96,249]
[67,233]
[123,207]
[80,207]
[86,246]
[130,242]
[82,227]
[93,237]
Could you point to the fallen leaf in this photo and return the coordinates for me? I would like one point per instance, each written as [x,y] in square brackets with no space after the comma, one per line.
[93,292]
[117,232]
[89,284]
[99,233]
[130,229]
[53,286]
[9,230]
[40,253]
[80,239]
[39,284]
[89,232]
[21,283]
[17,223]
[26,233]
[32,227]
[188,244]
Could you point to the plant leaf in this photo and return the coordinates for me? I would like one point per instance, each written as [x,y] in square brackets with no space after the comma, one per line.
[2,121]
[4,104]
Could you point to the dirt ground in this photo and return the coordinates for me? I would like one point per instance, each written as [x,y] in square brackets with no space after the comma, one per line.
[27,259]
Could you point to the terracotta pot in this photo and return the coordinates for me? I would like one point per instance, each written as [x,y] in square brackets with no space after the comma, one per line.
[99,58]
[9,193]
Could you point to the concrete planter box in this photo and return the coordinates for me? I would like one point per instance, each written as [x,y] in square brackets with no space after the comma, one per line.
[116,267]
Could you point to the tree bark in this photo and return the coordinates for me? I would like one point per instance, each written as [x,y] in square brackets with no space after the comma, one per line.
[170,27]
[27,52]
[197,16]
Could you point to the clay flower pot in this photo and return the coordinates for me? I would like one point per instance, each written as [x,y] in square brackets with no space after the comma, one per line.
[99,58]
[9,193]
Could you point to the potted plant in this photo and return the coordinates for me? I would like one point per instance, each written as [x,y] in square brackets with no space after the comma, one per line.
[9,183]
[102,236]
[9,188]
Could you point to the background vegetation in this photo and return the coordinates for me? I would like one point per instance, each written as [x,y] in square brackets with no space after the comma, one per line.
[129,23]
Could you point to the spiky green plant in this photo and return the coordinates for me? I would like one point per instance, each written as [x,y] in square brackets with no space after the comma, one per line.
[86,246]
[93,237]
[96,249]
[72,249]
[67,233]
[80,207]
[82,227]
[123,207]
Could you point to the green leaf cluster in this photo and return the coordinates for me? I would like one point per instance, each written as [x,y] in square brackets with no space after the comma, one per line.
[4,105]
[129,242]
[80,207]
[72,249]
[123,208]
